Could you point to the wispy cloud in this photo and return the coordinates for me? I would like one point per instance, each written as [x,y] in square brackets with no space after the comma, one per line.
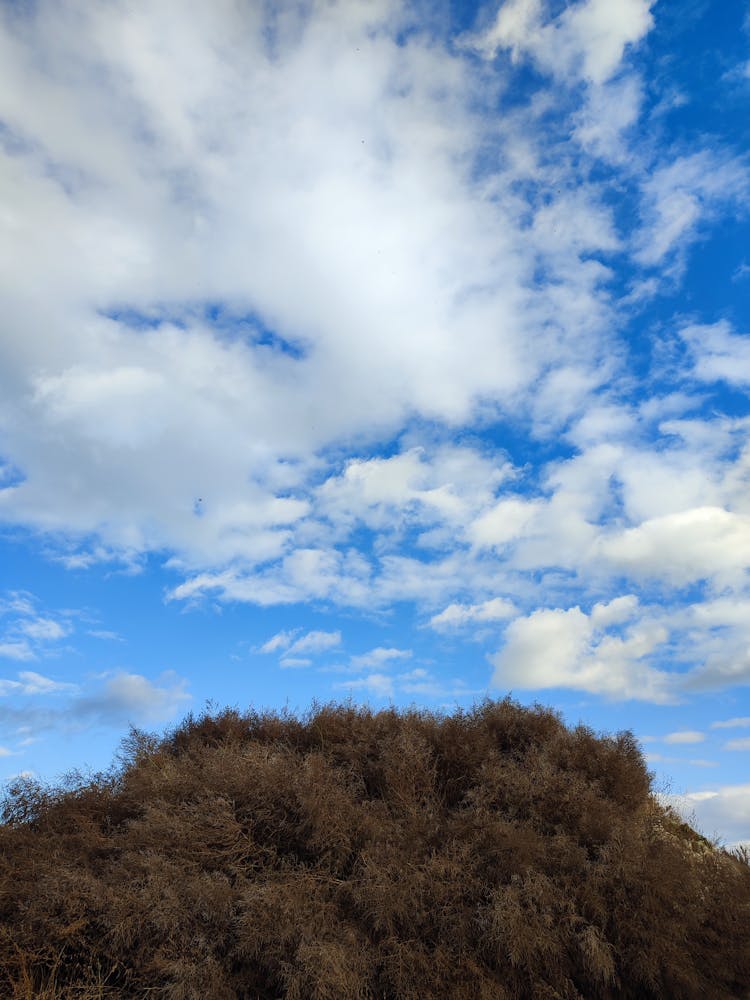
[16,651]
[30,682]
[295,652]
[282,640]
[732,723]
[25,632]
[685,736]
[456,615]
[314,642]
[115,700]
[378,657]
[740,744]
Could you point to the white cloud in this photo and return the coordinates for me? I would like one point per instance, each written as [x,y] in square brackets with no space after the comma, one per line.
[16,651]
[43,629]
[570,649]
[294,650]
[115,700]
[378,657]
[444,485]
[616,612]
[30,682]
[26,633]
[314,642]
[381,685]
[417,681]
[608,112]
[161,227]
[685,736]
[18,603]
[504,522]
[587,39]
[724,808]
[706,542]
[692,762]
[279,641]
[741,744]
[106,634]
[732,723]
[720,354]
[457,615]
[127,697]
[269,262]
[681,195]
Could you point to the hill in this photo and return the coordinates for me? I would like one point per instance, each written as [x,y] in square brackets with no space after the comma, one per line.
[489,854]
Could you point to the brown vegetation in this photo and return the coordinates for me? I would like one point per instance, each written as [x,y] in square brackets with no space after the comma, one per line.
[489,854]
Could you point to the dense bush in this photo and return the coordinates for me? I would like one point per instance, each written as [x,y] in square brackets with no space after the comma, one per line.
[489,854]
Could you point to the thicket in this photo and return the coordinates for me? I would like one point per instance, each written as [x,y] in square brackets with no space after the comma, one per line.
[489,854]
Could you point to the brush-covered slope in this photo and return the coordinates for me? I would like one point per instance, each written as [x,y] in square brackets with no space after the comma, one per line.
[488,854]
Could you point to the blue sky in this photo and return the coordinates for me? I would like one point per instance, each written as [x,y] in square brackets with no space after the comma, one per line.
[389,351]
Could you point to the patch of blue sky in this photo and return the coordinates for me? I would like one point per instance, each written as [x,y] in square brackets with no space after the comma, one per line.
[223,318]
[140,319]
[10,475]
[253,329]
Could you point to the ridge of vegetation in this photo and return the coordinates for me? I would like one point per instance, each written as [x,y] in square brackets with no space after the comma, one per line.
[487,855]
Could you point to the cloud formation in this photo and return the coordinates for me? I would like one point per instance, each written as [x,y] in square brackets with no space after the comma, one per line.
[585,40]
[339,313]
[599,652]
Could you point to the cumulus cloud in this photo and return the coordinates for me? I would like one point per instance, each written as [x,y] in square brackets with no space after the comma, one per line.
[268,308]
[185,401]
[504,522]
[570,649]
[180,365]
[445,485]
[706,542]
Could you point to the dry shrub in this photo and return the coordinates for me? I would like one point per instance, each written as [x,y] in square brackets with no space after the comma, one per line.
[384,856]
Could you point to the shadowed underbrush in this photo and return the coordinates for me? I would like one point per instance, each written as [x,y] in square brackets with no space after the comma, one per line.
[485,855]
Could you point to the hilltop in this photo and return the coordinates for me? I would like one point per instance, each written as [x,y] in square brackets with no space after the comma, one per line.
[484,855]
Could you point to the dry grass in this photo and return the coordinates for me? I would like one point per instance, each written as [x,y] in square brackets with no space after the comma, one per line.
[489,854]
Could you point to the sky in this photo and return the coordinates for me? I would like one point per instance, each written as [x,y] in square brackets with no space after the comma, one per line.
[374,350]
